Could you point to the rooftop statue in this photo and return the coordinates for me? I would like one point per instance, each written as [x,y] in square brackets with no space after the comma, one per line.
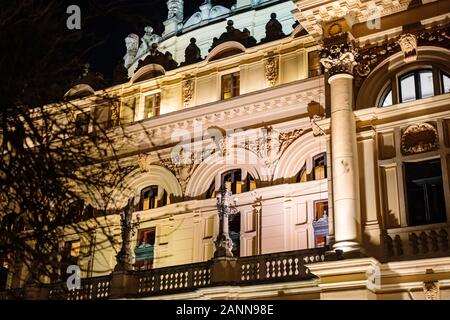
[192,53]
[274,29]
[132,44]
[176,8]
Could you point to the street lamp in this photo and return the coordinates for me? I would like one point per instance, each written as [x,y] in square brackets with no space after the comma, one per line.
[223,242]
[128,229]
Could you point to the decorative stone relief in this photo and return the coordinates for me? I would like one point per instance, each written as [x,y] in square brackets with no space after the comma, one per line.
[271,145]
[182,170]
[317,130]
[144,162]
[338,58]
[408,44]
[271,71]
[115,114]
[419,138]
[188,91]
[431,290]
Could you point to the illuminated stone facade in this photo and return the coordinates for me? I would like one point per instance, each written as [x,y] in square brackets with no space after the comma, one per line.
[303,148]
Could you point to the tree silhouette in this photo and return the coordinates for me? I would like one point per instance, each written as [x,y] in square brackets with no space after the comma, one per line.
[59,166]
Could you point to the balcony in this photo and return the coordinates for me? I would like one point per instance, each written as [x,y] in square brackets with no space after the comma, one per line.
[266,268]
[427,241]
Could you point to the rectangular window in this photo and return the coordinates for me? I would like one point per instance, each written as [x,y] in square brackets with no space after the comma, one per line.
[82,123]
[152,105]
[320,223]
[127,111]
[144,251]
[314,64]
[70,256]
[425,192]
[230,85]
[102,117]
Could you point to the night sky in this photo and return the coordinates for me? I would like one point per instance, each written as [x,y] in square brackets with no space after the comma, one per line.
[110,28]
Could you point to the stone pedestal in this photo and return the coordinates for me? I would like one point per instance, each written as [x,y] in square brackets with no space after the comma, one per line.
[224,271]
[35,292]
[122,283]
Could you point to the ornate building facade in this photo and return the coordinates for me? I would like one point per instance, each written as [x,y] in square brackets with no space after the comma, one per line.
[328,122]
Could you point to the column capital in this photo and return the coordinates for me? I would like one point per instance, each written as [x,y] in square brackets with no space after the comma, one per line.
[338,55]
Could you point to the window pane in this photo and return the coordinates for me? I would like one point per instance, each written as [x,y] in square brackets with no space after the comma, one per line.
[426,84]
[408,88]
[425,192]
[445,83]
[387,99]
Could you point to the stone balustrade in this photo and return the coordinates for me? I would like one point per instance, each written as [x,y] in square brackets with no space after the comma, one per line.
[417,242]
[274,267]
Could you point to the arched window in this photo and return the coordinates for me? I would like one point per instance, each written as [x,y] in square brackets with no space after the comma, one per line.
[414,85]
[234,182]
[153,197]
[445,83]
[320,167]
[302,175]
[386,99]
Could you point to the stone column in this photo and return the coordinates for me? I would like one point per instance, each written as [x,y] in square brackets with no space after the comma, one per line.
[338,60]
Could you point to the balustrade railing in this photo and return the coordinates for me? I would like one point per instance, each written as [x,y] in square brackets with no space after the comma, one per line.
[274,266]
[417,242]
[172,279]
[91,289]
[283,266]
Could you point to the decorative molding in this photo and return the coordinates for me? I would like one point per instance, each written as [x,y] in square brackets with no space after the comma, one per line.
[408,44]
[271,70]
[420,138]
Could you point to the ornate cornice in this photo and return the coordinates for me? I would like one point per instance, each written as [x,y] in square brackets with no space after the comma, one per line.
[372,55]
